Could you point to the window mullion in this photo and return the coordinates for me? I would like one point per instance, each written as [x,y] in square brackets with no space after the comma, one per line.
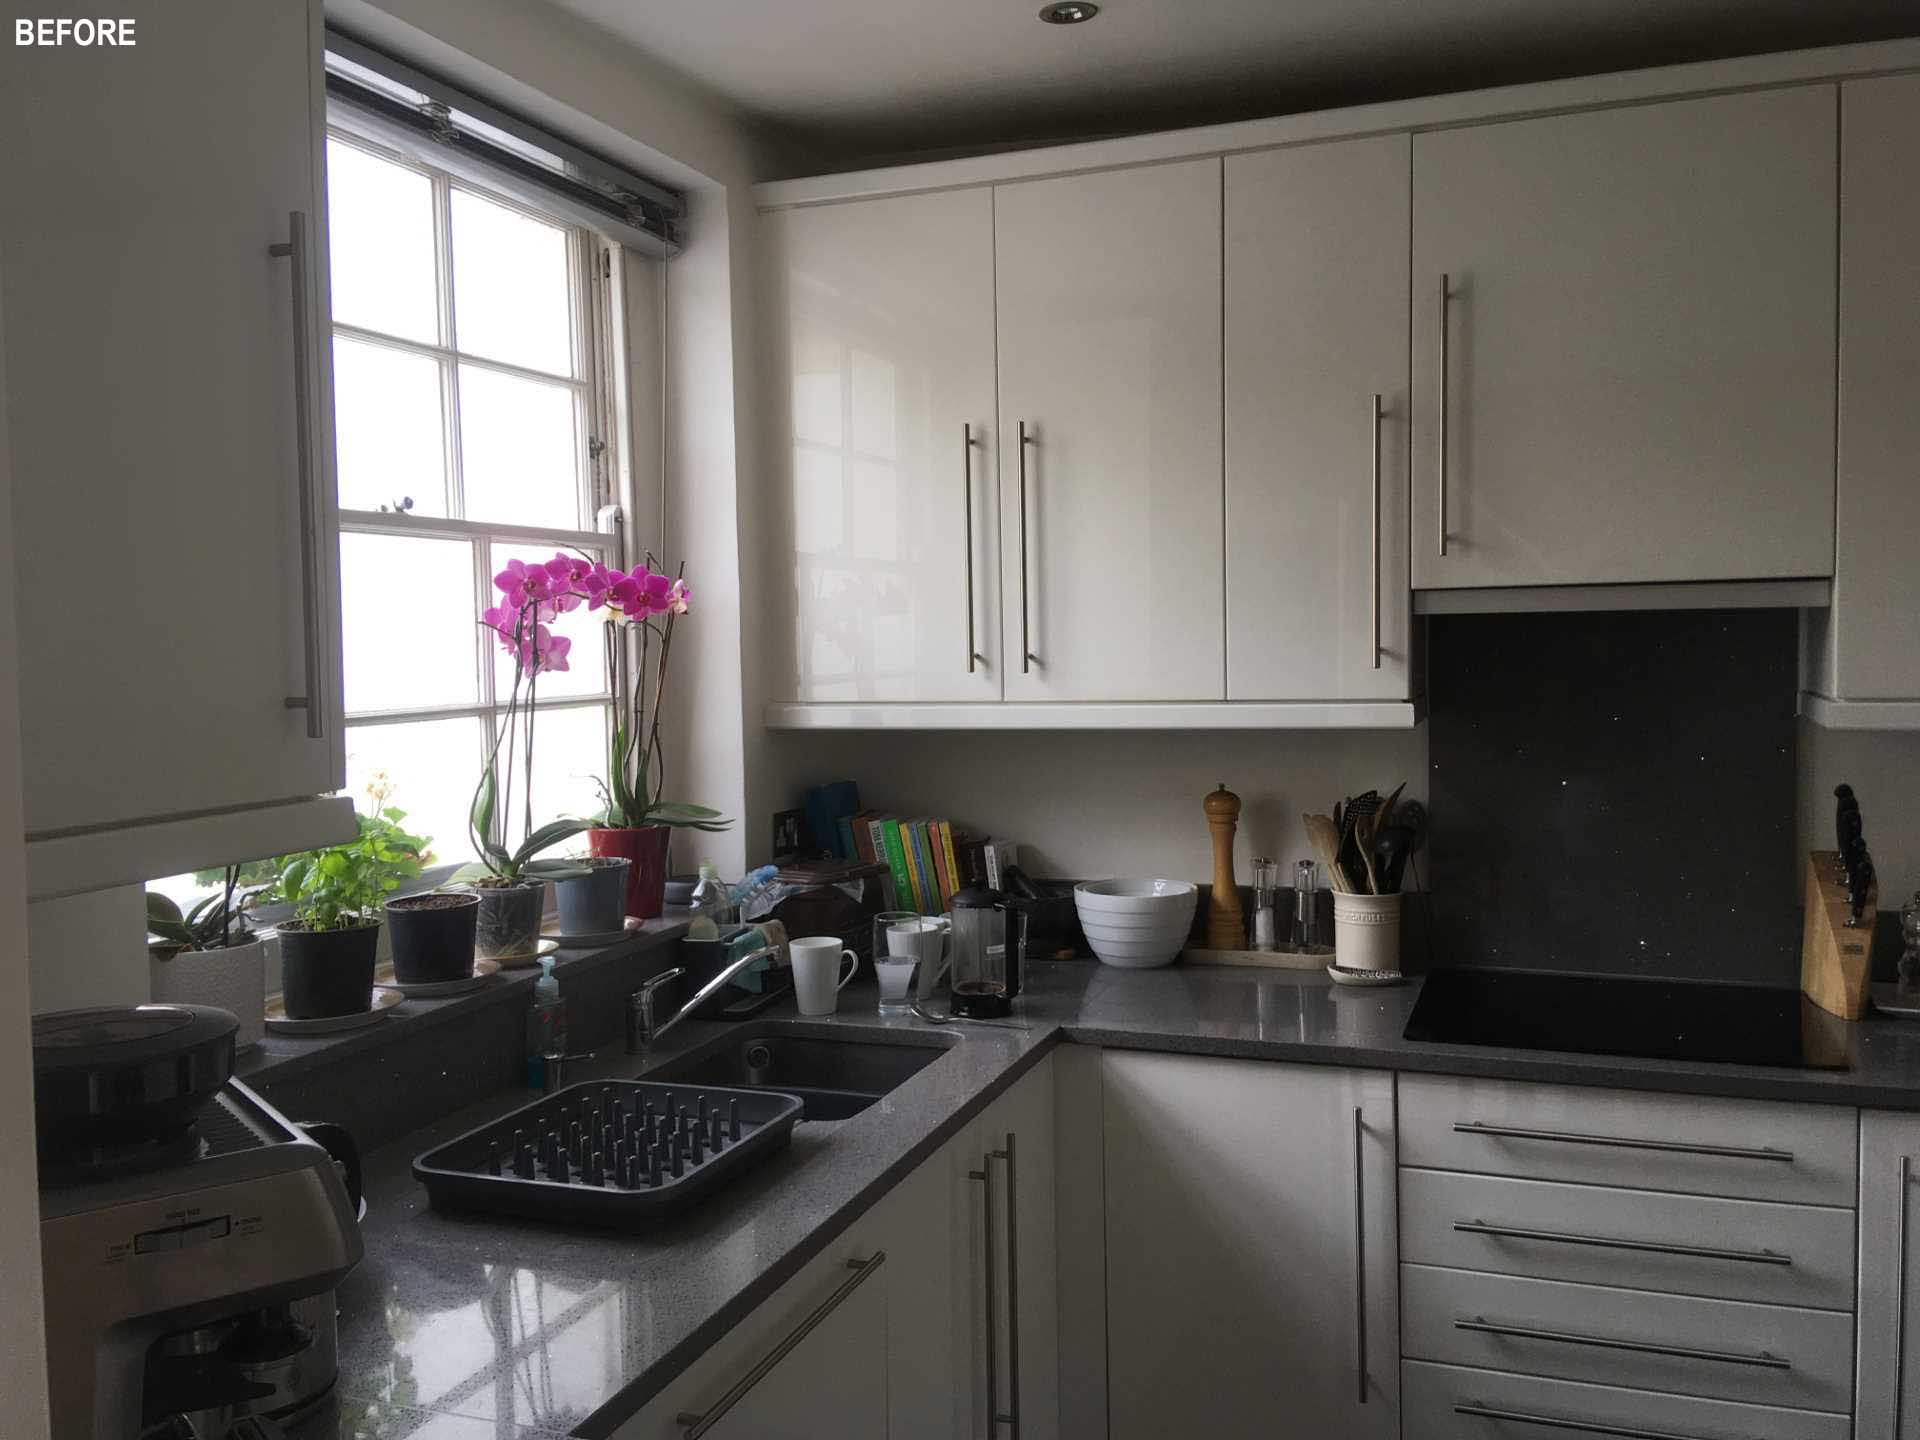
[449,336]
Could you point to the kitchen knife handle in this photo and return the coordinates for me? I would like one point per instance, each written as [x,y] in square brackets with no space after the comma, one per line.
[1761,1359]
[967,444]
[296,252]
[1618,1142]
[1376,531]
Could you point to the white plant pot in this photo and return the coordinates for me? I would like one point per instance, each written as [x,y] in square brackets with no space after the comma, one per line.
[232,979]
[1366,931]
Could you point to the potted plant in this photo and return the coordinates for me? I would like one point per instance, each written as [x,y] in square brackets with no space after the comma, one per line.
[431,936]
[594,902]
[210,955]
[327,950]
[634,822]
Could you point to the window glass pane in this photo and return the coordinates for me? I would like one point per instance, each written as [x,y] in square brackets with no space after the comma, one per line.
[430,767]
[517,450]
[408,622]
[586,672]
[569,758]
[510,286]
[380,232]
[389,440]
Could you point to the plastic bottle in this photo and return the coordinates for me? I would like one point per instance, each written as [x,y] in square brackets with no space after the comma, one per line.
[708,906]
[748,894]
[546,1024]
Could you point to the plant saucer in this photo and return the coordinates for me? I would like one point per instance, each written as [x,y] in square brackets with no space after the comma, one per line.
[483,971]
[282,1023]
[526,959]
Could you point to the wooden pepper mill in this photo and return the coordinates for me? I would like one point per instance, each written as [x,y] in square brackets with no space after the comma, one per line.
[1226,926]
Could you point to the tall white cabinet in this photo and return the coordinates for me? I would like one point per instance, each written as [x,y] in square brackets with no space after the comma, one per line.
[162,226]
[1316,421]
[881,346]
[1623,344]
[1251,1250]
[1865,654]
[1887,1350]
[1110,434]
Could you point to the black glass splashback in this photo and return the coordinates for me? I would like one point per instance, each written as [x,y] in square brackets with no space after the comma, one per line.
[1615,792]
[1610,1015]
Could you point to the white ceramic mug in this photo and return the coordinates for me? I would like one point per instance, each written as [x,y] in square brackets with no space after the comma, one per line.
[814,957]
[922,942]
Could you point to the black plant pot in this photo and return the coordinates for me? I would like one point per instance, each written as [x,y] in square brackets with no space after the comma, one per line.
[324,973]
[432,937]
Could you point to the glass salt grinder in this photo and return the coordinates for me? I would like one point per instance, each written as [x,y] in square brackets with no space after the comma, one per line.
[1306,908]
[1265,872]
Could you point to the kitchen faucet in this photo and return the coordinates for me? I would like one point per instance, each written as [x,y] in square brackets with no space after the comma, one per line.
[643,1030]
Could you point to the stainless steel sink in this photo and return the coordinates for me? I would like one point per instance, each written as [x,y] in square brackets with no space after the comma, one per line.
[835,1077]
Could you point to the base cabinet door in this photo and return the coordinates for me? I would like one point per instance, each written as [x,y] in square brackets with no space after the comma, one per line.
[1251,1250]
[1623,344]
[1887,1347]
[809,1364]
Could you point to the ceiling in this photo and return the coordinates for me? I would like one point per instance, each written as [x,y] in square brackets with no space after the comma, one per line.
[850,82]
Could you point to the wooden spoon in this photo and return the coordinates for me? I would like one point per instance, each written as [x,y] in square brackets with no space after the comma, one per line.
[1363,831]
[1326,841]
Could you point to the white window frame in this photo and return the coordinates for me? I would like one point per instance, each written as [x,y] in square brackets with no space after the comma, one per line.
[604,483]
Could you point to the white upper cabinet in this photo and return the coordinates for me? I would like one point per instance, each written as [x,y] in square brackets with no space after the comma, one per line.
[1638,342]
[1109,347]
[1867,648]
[170,426]
[1316,413]
[880,335]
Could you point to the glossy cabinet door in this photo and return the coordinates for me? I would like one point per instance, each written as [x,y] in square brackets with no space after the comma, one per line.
[1638,341]
[810,1363]
[1887,1348]
[1317,243]
[880,316]
[1110,367]
[1867,646]
[170,418]
[1251,1250]
[931,1340]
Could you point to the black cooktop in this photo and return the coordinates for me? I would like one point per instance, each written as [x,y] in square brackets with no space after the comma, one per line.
[1621,1015]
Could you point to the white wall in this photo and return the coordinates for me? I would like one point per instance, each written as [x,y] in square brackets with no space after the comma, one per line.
[1116,803]
[89,949]
[23,1359]
[1884,770]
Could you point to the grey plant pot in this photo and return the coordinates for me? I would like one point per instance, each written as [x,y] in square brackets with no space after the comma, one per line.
[509,919]
[594,903]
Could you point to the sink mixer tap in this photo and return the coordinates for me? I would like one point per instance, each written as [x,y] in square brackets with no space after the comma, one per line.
[643,1030]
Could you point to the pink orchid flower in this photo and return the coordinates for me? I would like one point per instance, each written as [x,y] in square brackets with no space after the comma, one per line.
[512,583]
[679,597]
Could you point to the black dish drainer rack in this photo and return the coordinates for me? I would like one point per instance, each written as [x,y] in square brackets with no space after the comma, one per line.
[627,1154]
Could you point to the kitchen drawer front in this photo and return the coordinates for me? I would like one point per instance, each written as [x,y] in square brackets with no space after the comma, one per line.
[1725,1349]
[1694,1244]
[1433,1396]
[1749,1149]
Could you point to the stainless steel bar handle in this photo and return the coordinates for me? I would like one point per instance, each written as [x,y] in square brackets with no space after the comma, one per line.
[1011,1418]
[1026,645]
[1616,1142]
[1376,532]
[993,1366]
[1360,1245]
[1446,293]
[698,1423]
[967,442]
[1479,1325]
[296,251]
[1557,1422]
[1607,1242]
[1900,1296]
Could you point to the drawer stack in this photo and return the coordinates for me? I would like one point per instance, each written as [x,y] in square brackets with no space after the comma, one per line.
[1622,1263]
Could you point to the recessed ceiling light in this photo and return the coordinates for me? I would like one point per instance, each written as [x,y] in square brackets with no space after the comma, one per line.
[1069,12]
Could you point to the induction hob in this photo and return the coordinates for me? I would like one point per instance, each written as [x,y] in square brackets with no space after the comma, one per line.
[1623,1015]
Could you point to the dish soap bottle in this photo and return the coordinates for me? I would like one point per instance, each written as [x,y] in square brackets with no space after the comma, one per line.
[708,906]
[546,1025]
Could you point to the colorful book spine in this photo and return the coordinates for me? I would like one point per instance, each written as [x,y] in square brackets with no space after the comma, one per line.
[952,859]
[943,873]
[897,861]
[924,878]
[843,826]
[862,827]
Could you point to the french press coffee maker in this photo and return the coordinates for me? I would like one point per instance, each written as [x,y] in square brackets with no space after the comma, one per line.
[988,940]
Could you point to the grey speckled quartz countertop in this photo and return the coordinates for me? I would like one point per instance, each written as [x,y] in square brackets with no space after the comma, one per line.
[462,1327]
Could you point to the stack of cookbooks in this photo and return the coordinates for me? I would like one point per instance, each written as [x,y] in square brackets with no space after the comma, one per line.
[928,860]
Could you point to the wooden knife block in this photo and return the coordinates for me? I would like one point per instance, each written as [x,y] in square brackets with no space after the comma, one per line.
[1835,957]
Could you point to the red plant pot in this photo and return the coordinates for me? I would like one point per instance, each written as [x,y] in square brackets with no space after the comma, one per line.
[646,847]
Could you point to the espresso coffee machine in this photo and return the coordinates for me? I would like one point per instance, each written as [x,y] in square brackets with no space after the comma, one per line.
[191,1237]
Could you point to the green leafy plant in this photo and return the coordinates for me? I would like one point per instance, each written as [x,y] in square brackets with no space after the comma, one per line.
[500,865]
[215,922]
[342,886]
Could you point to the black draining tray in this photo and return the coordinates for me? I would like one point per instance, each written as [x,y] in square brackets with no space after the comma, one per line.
[621,1121]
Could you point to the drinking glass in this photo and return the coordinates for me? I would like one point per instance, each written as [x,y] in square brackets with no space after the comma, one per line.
[901,940]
